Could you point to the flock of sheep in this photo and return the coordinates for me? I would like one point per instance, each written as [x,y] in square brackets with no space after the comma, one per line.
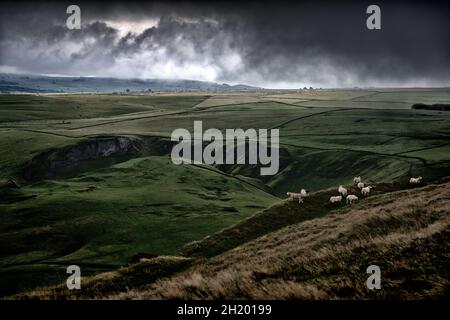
[350,198]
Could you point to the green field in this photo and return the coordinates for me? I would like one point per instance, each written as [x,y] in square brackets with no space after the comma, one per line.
[100,211]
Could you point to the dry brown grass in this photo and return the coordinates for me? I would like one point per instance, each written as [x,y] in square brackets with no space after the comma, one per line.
[406,233]
[220,100]
[95,287]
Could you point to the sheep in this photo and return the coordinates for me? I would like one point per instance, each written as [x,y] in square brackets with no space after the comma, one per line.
[335,199]
[357,179]
[294,196]
[360,185]
[415,180]
[304,193]
[351,198]
[366,190]
[342,191]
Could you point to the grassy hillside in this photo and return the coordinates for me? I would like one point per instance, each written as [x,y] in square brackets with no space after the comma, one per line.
[275,217]
[49,107]
[104,217]
[13,83]
[404,232]
[77,202]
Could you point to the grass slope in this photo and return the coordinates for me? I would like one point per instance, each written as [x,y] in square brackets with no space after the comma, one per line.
[104,212]
[106,216]
[404,232]
[48,107]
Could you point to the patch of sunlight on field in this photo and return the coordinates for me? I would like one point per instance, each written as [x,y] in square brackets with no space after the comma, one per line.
[286,101]
[252,118]
[221,100]
[324,94]
[64,107]
[269,105]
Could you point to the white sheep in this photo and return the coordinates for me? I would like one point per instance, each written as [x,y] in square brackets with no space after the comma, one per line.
[415,180]
[304,193]
[335,199]
[294,196]
[360,185]
[342,191]
[357,179]
[351,198]
[366,190]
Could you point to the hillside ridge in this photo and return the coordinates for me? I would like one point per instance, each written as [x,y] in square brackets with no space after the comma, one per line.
[322,257]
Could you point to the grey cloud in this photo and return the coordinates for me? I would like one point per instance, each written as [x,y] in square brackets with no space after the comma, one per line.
[277,44]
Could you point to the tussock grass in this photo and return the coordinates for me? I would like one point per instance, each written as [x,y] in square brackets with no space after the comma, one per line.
[133,276]
[273,218]
[406,233]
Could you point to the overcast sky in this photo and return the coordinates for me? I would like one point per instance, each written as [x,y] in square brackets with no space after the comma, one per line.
[271,44]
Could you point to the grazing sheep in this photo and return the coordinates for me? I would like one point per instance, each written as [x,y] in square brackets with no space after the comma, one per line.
[415,180]
[335,199]
[342,191]
[366,190]
[351,198]
[294,196]
[304,193]
[357,179]
[360,185]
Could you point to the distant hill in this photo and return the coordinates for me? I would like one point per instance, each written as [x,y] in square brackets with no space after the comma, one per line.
[10,83]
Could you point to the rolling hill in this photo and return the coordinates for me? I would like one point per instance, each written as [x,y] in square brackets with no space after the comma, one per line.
[87,178]
[404,232]
[60,84]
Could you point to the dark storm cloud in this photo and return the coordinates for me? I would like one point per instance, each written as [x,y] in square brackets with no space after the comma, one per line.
[269,44]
